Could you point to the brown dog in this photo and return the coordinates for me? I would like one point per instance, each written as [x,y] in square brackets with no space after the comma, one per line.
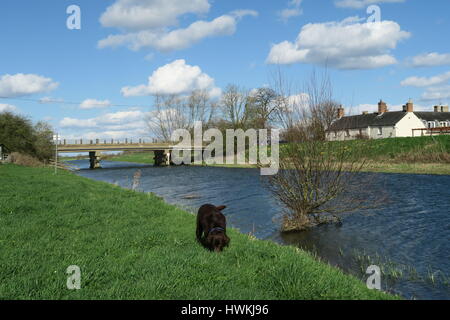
[211,227]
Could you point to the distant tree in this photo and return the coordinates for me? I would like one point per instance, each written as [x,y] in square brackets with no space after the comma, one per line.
[263,106]
[172,112]
[43,142]
[235,105]
[17,133]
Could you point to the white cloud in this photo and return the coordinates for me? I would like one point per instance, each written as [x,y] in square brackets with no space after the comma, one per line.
[436,93]
[286,14]
[293,10]
[8,108]
[176,77]
[359,4]
[426,82]
[430,60]
[122,124]
[147,23]
[150,14]
[24,84]
[348,44]
[93,103]
[50,100]
[179,38]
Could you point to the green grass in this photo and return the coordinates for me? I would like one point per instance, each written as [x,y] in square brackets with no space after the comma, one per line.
[392,148]
[137,157]
[132,245]
[420,155]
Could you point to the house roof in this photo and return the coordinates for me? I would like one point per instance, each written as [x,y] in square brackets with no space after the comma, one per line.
[433,116]
[367,120]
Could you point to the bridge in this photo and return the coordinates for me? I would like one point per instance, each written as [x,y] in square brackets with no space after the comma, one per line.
[162,151]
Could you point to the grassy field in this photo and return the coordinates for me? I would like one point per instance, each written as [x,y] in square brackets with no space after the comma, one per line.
[132,245]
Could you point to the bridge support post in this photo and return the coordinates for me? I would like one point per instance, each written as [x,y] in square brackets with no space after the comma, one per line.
[94,158]
[162,158]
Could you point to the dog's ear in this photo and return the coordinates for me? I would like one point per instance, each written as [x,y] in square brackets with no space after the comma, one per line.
[220,208]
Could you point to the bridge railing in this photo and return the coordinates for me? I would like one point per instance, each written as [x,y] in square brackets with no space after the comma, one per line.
[109,141]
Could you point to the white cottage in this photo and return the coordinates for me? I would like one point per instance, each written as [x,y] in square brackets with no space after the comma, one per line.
[385,124]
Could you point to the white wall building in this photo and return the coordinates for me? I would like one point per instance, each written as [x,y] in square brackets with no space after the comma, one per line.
[385,124]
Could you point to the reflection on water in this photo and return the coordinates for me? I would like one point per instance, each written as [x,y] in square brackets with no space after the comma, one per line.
[412,229]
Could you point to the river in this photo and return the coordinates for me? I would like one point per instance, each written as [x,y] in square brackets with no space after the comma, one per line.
[409,236]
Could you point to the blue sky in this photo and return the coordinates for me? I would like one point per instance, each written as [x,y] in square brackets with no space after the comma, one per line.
[205,44]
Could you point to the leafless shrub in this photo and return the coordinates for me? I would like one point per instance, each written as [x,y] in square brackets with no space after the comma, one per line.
[318,181]
[24,160]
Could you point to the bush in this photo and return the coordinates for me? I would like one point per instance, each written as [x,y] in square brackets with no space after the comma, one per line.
[19,134]
[24,160]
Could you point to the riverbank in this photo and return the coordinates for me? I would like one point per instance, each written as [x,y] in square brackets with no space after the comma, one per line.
[132,245]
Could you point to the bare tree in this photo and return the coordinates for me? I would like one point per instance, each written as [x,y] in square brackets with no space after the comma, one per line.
[200,108]
[172,112]
[310,111]
[318,181]
[169,115]
[235,106]
[264,105]
[321,109]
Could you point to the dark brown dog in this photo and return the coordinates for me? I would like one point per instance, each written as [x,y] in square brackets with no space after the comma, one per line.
[211,227]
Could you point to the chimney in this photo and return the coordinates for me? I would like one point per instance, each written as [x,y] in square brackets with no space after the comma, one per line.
[341,112]
[409,106]
[437,109]
[365,112]
[444,109]
[382,107]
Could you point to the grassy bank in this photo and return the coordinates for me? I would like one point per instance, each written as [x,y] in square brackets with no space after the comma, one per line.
[133,245]
[420,155]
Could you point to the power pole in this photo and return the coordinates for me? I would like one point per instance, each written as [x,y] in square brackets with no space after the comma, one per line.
[56,139]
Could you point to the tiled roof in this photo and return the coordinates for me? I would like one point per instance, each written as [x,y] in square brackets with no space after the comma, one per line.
[433,116]
[367,120]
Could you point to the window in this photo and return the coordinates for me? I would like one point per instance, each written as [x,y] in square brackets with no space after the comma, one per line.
[380,131]
[431,124]
[347,133]
[335,134]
